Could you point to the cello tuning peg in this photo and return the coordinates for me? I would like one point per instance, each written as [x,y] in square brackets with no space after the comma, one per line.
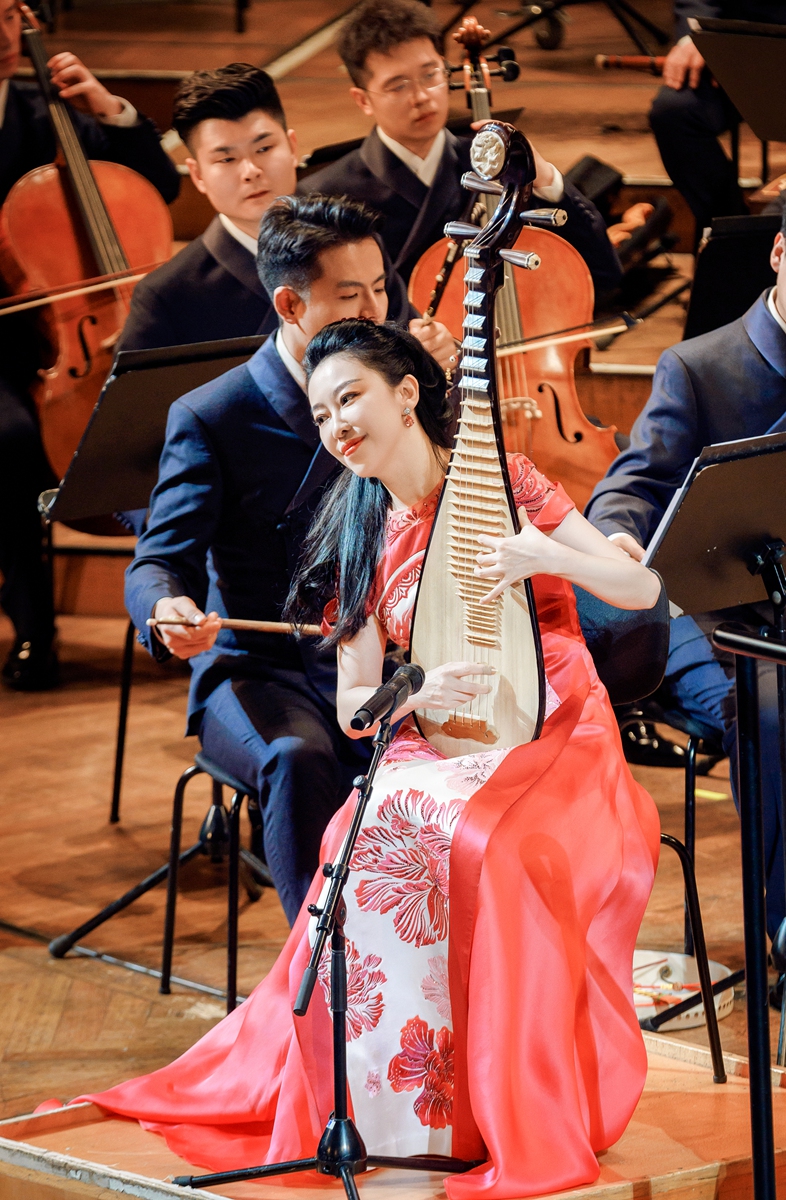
[509,70]
[474,183]
[517,258]
[545,216]
[460,231]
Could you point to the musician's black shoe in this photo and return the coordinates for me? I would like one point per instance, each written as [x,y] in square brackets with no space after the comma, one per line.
[29,668]
[643,745]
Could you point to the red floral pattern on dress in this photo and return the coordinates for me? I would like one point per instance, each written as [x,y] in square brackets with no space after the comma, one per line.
[426,1060]
[407,856]
[364,1009]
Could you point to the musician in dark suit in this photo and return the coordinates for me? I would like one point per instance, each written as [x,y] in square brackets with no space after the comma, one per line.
[722,386]
[242,156]
[690,111]
[241,475]
[409,167]
[108,128]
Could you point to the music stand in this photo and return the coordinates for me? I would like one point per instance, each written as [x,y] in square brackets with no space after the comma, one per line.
[115,466]
[721,544]
[748,59]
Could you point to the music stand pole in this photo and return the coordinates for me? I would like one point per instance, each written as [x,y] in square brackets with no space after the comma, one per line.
[341,1151]
[747,648]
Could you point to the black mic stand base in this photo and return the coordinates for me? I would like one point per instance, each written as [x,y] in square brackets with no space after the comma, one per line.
[341,1151]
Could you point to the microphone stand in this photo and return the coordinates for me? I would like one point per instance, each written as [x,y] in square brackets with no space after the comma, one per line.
[341,1151]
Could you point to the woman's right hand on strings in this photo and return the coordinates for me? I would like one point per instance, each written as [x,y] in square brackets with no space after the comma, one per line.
[184,641]
[449,686]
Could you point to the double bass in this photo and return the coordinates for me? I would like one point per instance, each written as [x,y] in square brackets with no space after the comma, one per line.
[450,623]
[540,408]
[95,223]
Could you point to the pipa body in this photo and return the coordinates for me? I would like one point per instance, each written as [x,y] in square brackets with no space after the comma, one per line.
[449,623]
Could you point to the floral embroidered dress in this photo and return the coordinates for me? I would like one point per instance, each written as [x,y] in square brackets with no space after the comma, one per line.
[492,912]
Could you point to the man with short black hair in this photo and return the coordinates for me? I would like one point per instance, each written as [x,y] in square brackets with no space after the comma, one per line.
[409,168]
[241,475]
[242,157]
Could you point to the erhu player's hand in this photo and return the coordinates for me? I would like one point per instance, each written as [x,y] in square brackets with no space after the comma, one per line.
[434,337]
[79,87]
[683,60]
[184,641]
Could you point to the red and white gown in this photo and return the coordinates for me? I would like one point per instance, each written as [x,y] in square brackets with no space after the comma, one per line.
[492,912]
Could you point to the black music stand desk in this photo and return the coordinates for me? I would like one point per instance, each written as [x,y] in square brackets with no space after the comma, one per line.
[712,549]
[748,59]
[115,466]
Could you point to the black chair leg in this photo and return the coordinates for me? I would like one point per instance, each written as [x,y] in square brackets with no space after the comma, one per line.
[60,946]
[690,828]
[702,961]
[233,898]
[172,874]
[126,676]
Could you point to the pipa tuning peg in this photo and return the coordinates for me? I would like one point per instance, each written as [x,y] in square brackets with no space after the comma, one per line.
[473,183]
[545,216]
[460,230]
[517,258]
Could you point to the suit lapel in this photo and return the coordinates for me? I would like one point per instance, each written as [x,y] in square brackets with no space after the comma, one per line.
[391,171]
[441,199]
[282,393]
[766,335]
[233,257]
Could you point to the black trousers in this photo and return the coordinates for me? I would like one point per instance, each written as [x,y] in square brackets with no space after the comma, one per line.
[26,591]
[686,125]
[277,735]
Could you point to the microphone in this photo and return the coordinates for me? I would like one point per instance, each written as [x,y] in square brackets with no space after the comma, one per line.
[390,696]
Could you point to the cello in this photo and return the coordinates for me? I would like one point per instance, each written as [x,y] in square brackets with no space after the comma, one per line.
[540,408]
[68,223]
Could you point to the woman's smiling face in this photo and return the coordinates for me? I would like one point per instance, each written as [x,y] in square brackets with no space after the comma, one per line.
[360,417]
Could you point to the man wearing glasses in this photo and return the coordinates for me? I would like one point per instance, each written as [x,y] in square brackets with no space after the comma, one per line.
[409,167]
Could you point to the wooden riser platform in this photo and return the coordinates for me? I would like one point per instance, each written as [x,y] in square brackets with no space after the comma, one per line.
[688,1140]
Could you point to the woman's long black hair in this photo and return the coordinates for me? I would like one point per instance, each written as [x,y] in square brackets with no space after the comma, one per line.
[344,545]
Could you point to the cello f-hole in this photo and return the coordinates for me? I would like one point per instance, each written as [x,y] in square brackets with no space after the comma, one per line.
[87,319]
[578,435]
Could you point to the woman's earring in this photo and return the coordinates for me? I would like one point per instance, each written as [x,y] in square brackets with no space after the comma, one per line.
[407,417]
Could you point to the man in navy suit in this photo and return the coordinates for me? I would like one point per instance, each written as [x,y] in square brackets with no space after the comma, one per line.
[108,128]
[409,167]
[240,477]
[242,156]
[722,386]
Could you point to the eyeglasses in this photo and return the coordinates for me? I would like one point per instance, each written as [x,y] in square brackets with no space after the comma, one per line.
[429,81]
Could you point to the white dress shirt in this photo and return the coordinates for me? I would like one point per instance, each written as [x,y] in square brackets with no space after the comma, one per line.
[290,362]
[245,239]
[773,310]
[424,168]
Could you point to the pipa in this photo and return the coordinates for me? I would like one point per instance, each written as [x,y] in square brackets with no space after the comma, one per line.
[449,624]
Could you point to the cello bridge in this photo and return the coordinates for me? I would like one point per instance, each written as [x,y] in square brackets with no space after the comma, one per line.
[463,726]
[522,404]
